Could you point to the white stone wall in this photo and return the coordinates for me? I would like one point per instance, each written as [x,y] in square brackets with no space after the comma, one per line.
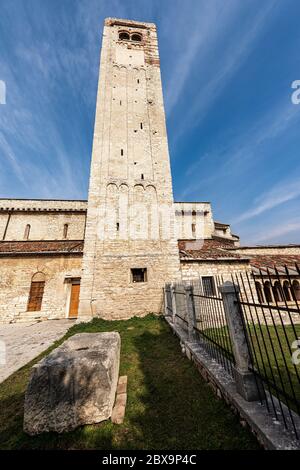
[130,165]
[194,269]
[46,219]
[197,214]
[44,226]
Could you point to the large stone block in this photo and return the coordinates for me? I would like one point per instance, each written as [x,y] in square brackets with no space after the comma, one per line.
[75,385]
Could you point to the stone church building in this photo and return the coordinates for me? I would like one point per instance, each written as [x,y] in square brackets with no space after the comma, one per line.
[110,256]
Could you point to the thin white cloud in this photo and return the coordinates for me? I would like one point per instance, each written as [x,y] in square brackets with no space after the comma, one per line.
[8,153]
[278,231]
[226,66]
[277,195]
[194,41]
[242,150]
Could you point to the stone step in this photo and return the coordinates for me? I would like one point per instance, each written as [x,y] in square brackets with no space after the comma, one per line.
[25,318]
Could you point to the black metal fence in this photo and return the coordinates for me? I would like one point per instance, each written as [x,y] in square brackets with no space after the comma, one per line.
[268,301]
[211,322]
[210,326]
[270,307]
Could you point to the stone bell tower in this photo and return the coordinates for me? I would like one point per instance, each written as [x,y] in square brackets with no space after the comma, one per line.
[130,249]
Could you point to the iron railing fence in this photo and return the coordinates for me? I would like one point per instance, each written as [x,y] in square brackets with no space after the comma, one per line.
[211,323]
[270,308]
[269,304]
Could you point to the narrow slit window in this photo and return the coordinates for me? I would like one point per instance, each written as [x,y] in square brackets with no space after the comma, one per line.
[118,226]
[122,152]
[120,103]
[66,228]
[142,176]
[193,229]
[138,80]
[27,232]
[141,125]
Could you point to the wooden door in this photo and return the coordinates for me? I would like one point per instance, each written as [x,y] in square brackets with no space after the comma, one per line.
[74,301]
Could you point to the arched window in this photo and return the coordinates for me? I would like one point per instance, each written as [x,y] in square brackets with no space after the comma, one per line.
[296,290]
[277,292]
[66,228]
[27,232]
[36,293]
[268,293]
[286,290]
[123,36]
[259,291]
[136,37]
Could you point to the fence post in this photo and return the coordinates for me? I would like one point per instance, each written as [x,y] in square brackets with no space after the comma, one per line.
[173,297]
[190,308]
[166,299]
[246,384]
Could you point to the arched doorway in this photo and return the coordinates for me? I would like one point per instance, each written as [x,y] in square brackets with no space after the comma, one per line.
[36,292]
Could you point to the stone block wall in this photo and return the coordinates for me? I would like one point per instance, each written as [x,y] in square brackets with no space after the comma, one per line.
[46,219]
[194,269]
[15,280]
[194,215]
[130,180]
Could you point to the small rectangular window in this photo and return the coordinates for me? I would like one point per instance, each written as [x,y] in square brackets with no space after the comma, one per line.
[122,152]
[139,275]
[142,176]
[208,284]
[118,226]
[138,80]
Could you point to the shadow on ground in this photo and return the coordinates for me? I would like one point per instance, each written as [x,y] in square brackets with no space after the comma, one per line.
[169,406]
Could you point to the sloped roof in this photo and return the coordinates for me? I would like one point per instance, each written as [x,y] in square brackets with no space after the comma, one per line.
[38,247]
[270,263]
[210,249]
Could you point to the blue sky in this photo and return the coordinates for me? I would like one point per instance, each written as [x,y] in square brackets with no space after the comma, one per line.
[227,68]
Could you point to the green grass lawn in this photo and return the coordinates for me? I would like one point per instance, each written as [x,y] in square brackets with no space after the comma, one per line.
[277,364]
[169,405]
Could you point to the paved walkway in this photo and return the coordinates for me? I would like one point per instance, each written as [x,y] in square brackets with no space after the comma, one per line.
[24,341]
